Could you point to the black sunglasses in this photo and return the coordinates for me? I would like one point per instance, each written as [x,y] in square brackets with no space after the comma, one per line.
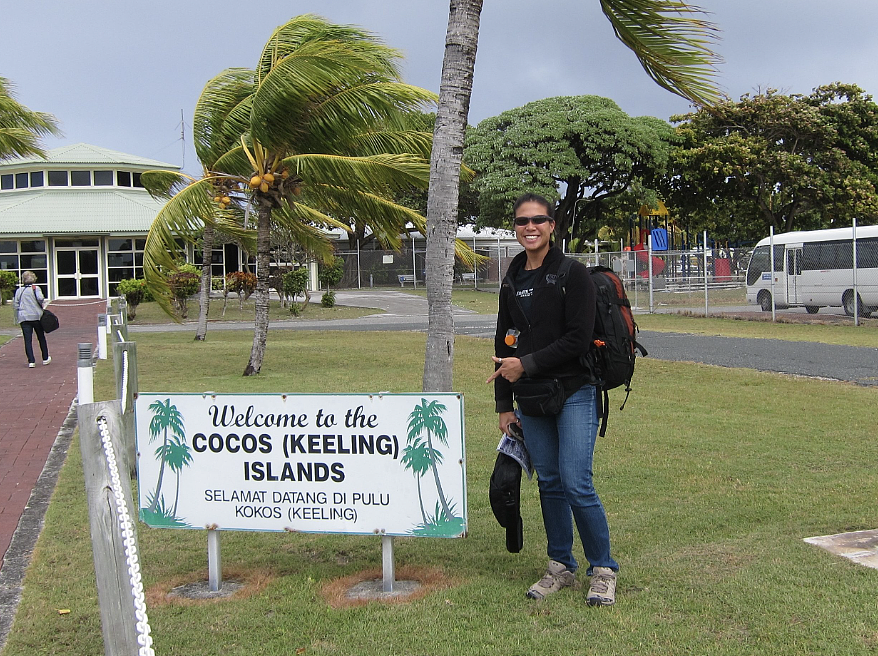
[536,220]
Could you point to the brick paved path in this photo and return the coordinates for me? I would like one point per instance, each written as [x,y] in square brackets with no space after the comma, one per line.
[34,404]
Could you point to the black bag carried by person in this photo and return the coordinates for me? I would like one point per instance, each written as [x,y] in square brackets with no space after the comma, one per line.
[539,397]
[504,492]
[611,356]
[48,320]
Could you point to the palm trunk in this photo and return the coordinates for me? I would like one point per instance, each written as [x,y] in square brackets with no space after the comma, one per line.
[158,485]
[177,495]
[442,500]
[263,259]
[206,279]
[455,88]
[421,501]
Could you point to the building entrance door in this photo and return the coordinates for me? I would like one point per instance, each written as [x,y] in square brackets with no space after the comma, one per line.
[77,272]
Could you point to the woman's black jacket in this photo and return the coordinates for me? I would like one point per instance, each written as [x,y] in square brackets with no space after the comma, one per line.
[558,331]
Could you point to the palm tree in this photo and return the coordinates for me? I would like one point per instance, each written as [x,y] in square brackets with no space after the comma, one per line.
[427,418]
[20,127]
[417,457]
[322,134]
[165,418]
[672,43]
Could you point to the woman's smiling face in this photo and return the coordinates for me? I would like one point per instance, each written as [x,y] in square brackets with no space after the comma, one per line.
[535,237]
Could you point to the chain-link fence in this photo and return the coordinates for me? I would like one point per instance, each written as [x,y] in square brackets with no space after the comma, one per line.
[407,268]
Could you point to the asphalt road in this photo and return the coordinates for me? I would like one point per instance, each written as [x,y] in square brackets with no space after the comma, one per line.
[855,364]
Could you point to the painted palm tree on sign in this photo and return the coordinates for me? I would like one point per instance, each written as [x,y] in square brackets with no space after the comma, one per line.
[178,455]
[418,457]
[427,419]
[673,43]
[166,422]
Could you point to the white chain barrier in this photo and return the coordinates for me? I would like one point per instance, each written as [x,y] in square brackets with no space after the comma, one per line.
[127,531]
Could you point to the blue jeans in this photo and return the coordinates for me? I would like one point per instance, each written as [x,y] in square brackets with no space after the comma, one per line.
[561,448]
[28,328]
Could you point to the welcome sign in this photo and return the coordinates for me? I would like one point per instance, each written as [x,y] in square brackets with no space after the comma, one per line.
[391,464]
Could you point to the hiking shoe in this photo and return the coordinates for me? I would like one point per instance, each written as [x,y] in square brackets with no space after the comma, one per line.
[557,576]
[47,360]
[31,365]
[602,590]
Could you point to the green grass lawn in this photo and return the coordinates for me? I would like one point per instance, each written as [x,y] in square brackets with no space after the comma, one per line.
[711,478]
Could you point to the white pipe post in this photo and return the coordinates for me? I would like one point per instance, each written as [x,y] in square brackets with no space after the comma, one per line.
[214,561]
[85,375]
[499,265]
[102,336]
[359,281]
[476,267]
[856,295]
[651,287]
[387,563]
[771,247]
[414,266]
[705,274]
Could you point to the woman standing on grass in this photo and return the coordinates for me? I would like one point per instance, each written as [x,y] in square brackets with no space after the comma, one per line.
[549,328]
[27,307]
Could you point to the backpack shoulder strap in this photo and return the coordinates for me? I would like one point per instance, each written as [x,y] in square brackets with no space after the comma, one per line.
[563,272]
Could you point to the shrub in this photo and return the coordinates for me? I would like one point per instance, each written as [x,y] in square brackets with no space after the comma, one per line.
[241,283]
[296,309]
[135,293]
[217,284]
[328,299]
[331,273]
[184,283]
[8,283]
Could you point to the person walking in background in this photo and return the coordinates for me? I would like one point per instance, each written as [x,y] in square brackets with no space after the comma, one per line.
[541,332]
[27,306]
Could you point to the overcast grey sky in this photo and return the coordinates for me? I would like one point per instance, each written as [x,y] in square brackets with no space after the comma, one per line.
[117,74]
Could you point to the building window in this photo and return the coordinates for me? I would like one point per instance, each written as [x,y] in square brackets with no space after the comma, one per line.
[36,179]
[57,178]
[21,256]
[6,181]
[80,178]
[123,178]
[135,178]
[124,260]
[21,180]
[103,178]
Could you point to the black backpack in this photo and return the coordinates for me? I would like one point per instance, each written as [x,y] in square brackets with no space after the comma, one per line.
[610,358]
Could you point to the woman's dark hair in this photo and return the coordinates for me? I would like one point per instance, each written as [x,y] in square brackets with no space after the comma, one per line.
[535,198]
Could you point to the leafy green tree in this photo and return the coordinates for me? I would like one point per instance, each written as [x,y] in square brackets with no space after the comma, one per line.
[165,418]
[769,159]
[21,128]
[671,40]
[295,283]
[585,145]
[8,283]
[427,419]
[331,272]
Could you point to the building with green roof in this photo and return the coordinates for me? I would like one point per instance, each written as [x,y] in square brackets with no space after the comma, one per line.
[78,219]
